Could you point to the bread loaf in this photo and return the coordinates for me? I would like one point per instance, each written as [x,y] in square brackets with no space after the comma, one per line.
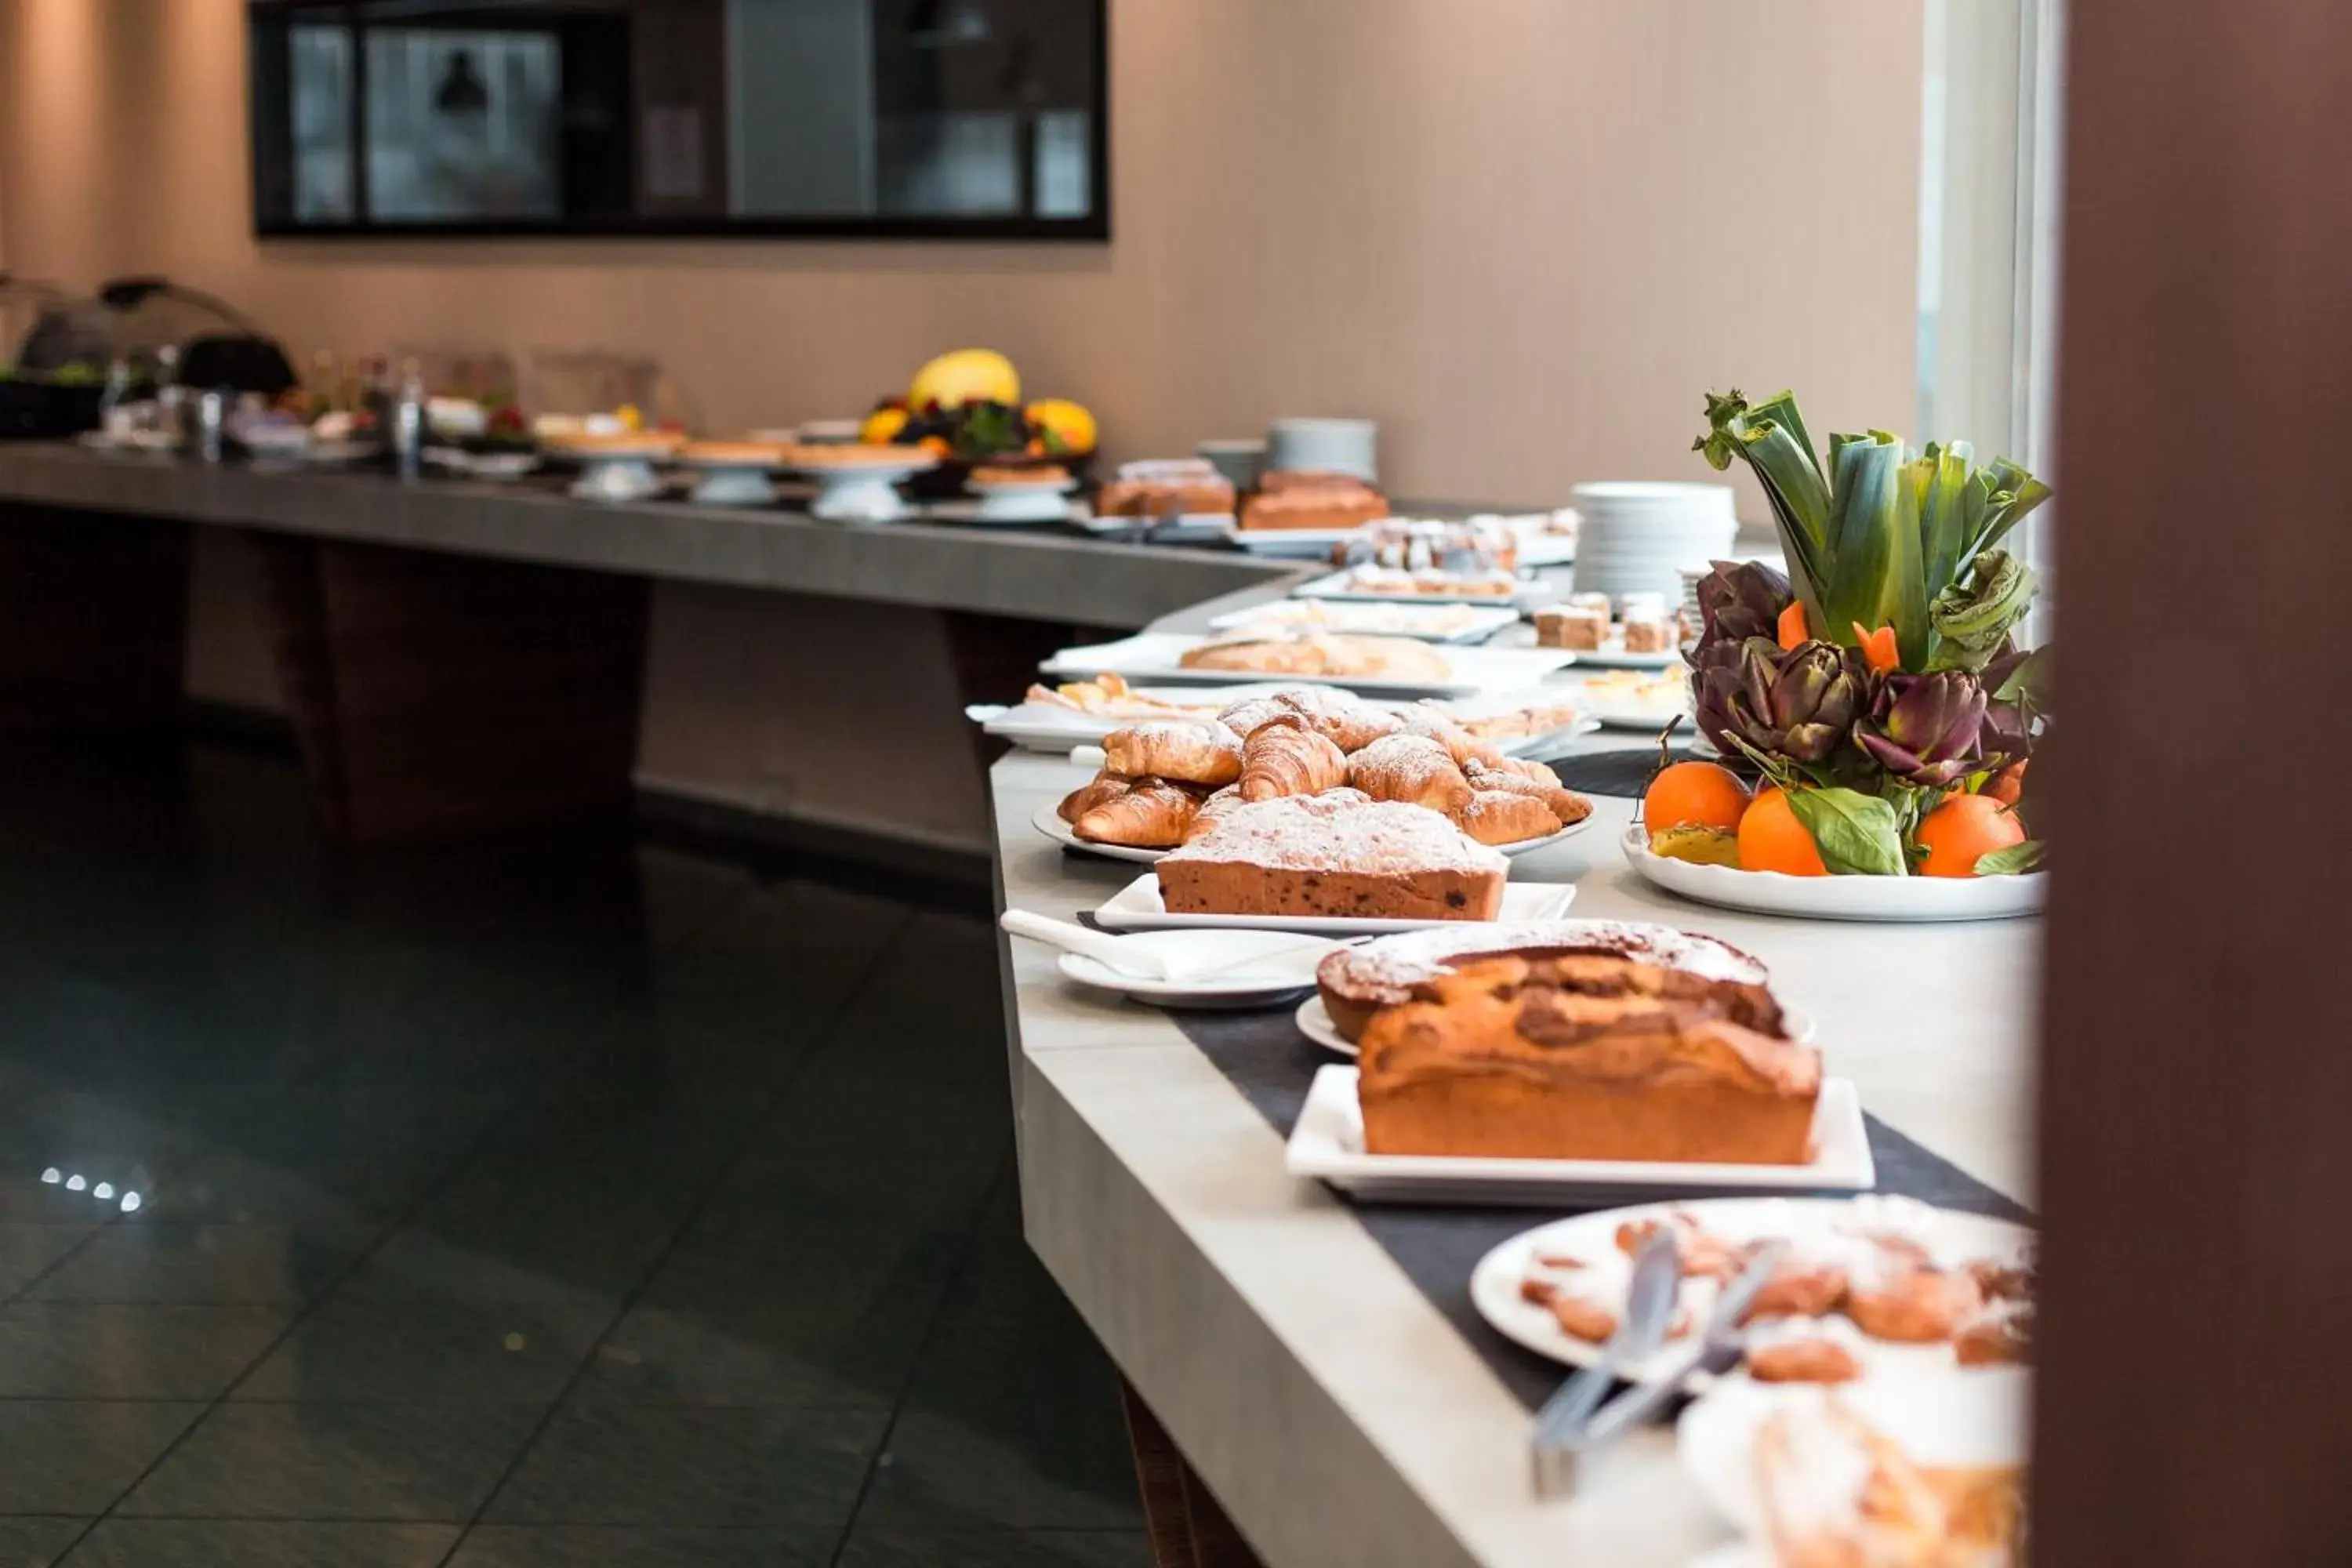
[1334,855]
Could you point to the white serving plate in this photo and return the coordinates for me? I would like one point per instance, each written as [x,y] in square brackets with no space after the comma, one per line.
[1287,970]
[1328,1144]
[1495,1282]
[1186,528]
[1314,1021]
[1612,654]
[1446,623]
[1136,907]
[1316,543]
[1978,1420]
[1889,898]
[1335,589]
[1153,656]
[1050,507]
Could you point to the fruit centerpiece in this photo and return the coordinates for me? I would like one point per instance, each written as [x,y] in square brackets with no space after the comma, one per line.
[965,409]
[1875,693]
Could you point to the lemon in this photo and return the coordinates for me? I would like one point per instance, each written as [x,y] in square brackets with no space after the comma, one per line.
[882,426]
[1070,423]
[967,376]
[632,417]
[1700,845]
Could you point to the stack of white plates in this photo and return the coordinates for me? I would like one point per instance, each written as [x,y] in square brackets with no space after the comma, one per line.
[1326,445]
[1637,537]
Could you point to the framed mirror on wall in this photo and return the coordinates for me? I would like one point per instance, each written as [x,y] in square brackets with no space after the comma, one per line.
[835,119]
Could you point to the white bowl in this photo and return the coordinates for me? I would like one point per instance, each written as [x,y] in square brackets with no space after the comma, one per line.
[1881,899]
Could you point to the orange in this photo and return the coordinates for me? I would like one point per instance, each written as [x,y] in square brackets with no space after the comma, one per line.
[2008,784]
[1965,827]
[1694,795]
[1772,839]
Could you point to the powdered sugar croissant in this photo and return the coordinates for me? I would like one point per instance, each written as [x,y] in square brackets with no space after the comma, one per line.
[1153,815]
[1282,758]
[1192,754]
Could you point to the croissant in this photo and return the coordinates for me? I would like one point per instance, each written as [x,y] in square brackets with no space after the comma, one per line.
[1424,719]
[1497,816]
[1519,776]
[1213,811]
[1103,786]
[1411,768]
[1191,753]
[1341,717]
[1282,758]
[1153,815]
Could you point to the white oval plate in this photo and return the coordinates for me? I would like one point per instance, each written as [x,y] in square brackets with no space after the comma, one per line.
[1979,1419]
[1891,899]
[1048,820]
[1648,720]
[1280,977]
[1314,1021]
[1328,1144]
[1612,656]
[1494,1283]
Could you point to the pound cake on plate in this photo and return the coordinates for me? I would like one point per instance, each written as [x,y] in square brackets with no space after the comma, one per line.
[1357,982]
[1335,854]
[1579,1056]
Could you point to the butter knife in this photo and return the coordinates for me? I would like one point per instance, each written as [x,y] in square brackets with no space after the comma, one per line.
[1719,1349]
[1649,1312]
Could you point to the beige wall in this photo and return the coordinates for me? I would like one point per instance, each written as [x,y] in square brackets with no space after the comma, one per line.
[1526,235]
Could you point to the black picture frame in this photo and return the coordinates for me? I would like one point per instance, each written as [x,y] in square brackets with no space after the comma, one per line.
[272,166]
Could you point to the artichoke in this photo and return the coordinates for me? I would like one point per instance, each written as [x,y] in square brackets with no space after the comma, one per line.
[1797,703]
[1925,729]
[1739,600]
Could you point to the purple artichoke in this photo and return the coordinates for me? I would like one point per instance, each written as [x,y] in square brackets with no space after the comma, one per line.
[1739,600]
[1925,729]
[1797,703]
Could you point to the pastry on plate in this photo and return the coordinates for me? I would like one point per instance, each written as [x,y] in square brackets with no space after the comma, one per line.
[1413,769]
[1346,720]
[1499,816]
[1285,757]
[987,476]
[1335,854]
[1357,982]
[1167,487]
[1187,751]
[1109,696]
[1836,1493]
[1586,1057]
[1150,813]
[1315,653]
[1522,776]
[1103,786]
[1575,626]
[748,454]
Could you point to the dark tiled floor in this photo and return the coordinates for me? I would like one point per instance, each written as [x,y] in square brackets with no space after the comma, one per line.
[570,1203]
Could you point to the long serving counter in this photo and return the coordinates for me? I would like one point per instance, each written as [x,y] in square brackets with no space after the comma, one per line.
[1309,1358]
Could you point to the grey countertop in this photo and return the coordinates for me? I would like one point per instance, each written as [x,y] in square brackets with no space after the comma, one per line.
[1037,573]
[1331,1407]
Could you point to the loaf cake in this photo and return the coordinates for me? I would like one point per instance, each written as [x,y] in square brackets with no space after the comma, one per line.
[1301,499]
[1334,855]
[1579,1057]
[1357,982]
[1166,487]
[1578,626]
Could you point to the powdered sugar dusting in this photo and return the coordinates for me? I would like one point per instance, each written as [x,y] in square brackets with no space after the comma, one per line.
[1417,956]
[1334,833]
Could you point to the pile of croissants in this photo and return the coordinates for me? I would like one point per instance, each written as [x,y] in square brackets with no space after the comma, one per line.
[1167,782]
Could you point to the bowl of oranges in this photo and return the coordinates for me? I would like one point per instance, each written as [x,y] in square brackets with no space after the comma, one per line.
[1706,834]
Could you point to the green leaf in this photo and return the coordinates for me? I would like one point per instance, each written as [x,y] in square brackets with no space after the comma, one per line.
[1865,473]
[1858,835]
[2018,857]
[2030,680]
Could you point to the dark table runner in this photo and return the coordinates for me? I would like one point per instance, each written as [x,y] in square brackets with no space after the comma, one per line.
[1266,1057]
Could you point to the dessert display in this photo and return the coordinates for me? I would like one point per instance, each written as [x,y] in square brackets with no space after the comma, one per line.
[1321,741]
[1588,623]
[824,456]
[1335,854]
[1407,558]
[1874,1280]
[1835,1492]
[1357,982]
[1297,499]
[1109,696]
[1440,622]
[1315,653]
[988,475]
[1166,487]
[965,407]
[1576,1056]
[1876,688]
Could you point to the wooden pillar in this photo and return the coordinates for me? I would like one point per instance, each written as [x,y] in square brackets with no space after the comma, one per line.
[438,695]
[2194,1400]
[93,621]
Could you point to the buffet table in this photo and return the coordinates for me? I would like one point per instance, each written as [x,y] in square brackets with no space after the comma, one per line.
[1340,1406]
